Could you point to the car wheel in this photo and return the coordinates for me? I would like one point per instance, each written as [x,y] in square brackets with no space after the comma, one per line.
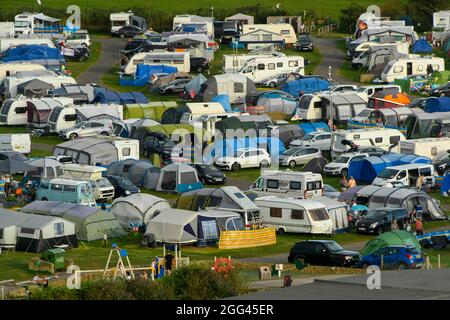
[73,136]
[272,84]
[44,199]
[344,172]
[379,231]
[300,263]
[402,266]
[236,166]
[339,263]
[264,164]
[292,163]
[104,133]
[122,35]
[281,231]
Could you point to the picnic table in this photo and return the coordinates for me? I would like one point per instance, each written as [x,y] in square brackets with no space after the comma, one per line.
[7,248]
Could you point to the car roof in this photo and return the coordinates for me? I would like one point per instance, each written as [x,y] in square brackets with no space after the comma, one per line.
[319,241]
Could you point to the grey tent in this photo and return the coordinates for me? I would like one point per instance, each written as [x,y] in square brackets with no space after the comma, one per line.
[277,101]
[211,223]
[9,222]
[315,165]
[426,125]
[90,223]
[34,88]
[178,177]
[137,209]
[80,94]
[135,126]
[13,166]
[44,168]
[344,106]
[194,86]
[141,173]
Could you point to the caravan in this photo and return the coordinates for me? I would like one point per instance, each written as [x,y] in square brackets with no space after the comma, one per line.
[17,142]
[259,69]
[406,176]
[234,62]
[183,22]
[121,19]
[179,60]
[284,29]
[9,69]
[433,148]
[411,66]
[5,44]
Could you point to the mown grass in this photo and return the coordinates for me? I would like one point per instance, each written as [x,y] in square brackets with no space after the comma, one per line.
[77,67]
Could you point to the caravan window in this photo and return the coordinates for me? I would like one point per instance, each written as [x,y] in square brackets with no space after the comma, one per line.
[279,64]
[27,230]
[285,32]
[21,110]
[1,233]
[210,231]
[261,66]
[275,212]
[295,185]
[298,214]
[126,152]
[271,66]
[314,185]
[188,177]
[273,184]
[293,63]
[398,69]
[238,87]
[59,228]
[394,139]
[70,117]
[319,214]
[378,140]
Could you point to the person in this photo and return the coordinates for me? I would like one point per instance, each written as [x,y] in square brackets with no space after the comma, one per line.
[169,262]
[128,277]
[7,179]
[36,279]
[351,183]
[301,93]
[412,215]
[144,275]
[344,183]
[419,227]
[408,226]
[394,225]
[154,266]
[419,182]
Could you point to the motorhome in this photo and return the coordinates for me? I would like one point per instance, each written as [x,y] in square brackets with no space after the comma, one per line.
[67,190]
[180,60]
[103,189]
[8,69]
[433,148]
[412,66]
[386,139]
[259,69]
[234,62]
[284,29]
[36,23]
[18,142]
[121,19]
[5,44]
[7,30]
[185,20]
[295,184]
[370,90]
[66,117]
[294,215]
[406,176]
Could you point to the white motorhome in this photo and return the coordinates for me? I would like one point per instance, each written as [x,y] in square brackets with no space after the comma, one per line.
[284,29]
[187,19]
[235,62]
[405,175]
[7,30]
[441,20]
[9,69]
[180,60]
[433,148]
[414,65]
[18,142]
[35,23]
[5,44]
[119,19]
[386,139]
[301,185]
[294,215]
[260,69]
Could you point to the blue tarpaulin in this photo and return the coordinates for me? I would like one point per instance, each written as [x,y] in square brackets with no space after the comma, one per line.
[31,52]
[366,170]
[421,46]
[313,127]
[224,100]
[105,96]
[437,105]
[307,85]
[144,73]
[445,184]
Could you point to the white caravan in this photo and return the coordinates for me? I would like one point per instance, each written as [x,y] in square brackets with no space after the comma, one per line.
[284,29]
[6,29]
[180,60]
[187,19]
[386,139]
[260,69]
[9,69]
[433,148]
[401,47]
[35,23]
[119,19]
[5,44]
[18,142]
[414,65]
[235,62]
[441,20]
[294,215]
[405,176]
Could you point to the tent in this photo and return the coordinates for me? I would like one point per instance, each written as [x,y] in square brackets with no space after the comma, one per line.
[434,104]
[9,222]
[110,97]
[392,238]
[315,165]
[175,132]
[241,18]
[276,101]
[151,110]
[90,223]
[40,54]
[38,111]
[144,73]
[80,94]
[287,133]
[141,173]
[224,100]
[193,87]
[45,168]
[307,85]
[178,177]
[421,46]
[426,125]
[211,223]
[367,169]
[244,122]
[309,127]
[34,88]
[173,115]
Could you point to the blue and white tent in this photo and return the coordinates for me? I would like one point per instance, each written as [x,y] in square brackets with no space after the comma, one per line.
[421,46]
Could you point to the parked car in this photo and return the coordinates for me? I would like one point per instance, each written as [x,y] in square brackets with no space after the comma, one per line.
[79,38]
[157,142]
[323,253]
[339,166]
[394,257]
[13,155]
[129,31]
[199,64]
[442,91]
[174,86]
[442,166]
[298,156]
[341,88]
[245,158]
[372,151]
[330,192]
[66,190]
[377,221]
[64,159]
[86,129]
[209,174]
[273,82]
[122,186]
[304,42]
[321,140]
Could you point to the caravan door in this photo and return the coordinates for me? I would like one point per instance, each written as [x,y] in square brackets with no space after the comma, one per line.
[409,68]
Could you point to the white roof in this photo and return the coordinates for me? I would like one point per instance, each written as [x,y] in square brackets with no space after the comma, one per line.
[200,108]
[307,204]
[83,167]
[69,182]
[410,166]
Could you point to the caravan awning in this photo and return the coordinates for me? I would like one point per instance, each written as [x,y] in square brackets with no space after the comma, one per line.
[43,17]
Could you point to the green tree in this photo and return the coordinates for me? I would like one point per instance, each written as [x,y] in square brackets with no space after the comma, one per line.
[421,12]
[348,17]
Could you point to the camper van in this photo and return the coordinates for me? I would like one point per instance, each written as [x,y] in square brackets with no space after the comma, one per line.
[413,66]
[5,44]
[405,176]
[121,19]
[289,183]
[386,139]
[35,23]
[259,69]
[18,142]
[234,62]
[370,90]
[103,189]
[294,215]
[202,110]
[180,60]
[68,190]
[284,29]
[433,148]
[9,69]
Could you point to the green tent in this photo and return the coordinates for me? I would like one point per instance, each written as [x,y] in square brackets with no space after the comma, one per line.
[151,110]
[393,238]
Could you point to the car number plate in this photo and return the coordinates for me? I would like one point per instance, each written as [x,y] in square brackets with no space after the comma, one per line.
[361,228]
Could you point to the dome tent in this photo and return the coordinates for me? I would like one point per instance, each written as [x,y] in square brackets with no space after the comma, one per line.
[434,104]
[392,238]
[421,46]
[137,209]
[142,173]
[178,177]
[151,110]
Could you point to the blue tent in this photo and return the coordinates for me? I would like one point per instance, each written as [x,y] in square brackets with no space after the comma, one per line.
[437,104]
[422,46]
[307,85]
[224,100]
[105,96]
[31,52]
[313,127]
[366,170]
[144,73]
[445,184]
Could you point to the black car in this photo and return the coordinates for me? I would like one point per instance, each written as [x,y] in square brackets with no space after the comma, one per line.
[129,31]
[13,155]
[304,42]
[377,221]
[442,91]
[159,143]
[209,174]
[323,253]
[199,64]
[442,166]
[122,186]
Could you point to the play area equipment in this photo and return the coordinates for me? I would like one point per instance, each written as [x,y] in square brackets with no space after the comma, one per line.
[120,267]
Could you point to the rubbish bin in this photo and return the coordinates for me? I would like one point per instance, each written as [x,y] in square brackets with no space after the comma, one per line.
[55,256]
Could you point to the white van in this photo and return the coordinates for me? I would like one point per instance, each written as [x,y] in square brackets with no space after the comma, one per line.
[296,184]
[294,215]
[260,69]
[433,148]
[370,90]
[414,65]
[386,139]
[235,62]
[405,175]
[180,60]
[18,142]
[284,29]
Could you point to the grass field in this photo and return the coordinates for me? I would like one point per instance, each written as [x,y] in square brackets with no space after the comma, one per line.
[78,68]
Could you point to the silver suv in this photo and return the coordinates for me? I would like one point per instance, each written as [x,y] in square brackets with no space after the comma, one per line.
[86,129]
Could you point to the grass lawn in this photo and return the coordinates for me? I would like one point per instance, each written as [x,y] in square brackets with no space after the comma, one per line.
[77,67]
[346,71]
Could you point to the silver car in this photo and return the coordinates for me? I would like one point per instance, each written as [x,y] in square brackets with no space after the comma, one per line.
[320,140]
[298,156]
[86,129]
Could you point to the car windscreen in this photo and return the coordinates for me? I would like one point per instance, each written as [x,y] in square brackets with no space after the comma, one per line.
[388,173]
[333,246]
[290,152]
[341,159]
[125,183]
[208,168]
[375,214]
[103,183]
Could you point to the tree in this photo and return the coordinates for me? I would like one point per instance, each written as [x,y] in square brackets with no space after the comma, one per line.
[421,12]
[349,16]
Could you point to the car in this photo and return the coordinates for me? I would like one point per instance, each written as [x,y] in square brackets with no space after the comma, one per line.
[323,253]
[199,64]
[394,257]
[298,156]
[157,142]
[209,174]
[372,151]
[273,82]
[377,221]
[86,129]
[174,86]
[442,165]
[245,158]
[79,38]
[122,186]
[304,42]
[442,91]
[330,192]
[63,159]
[129,31]
[321,140]
[339,166]
[13,155]
[341,88]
